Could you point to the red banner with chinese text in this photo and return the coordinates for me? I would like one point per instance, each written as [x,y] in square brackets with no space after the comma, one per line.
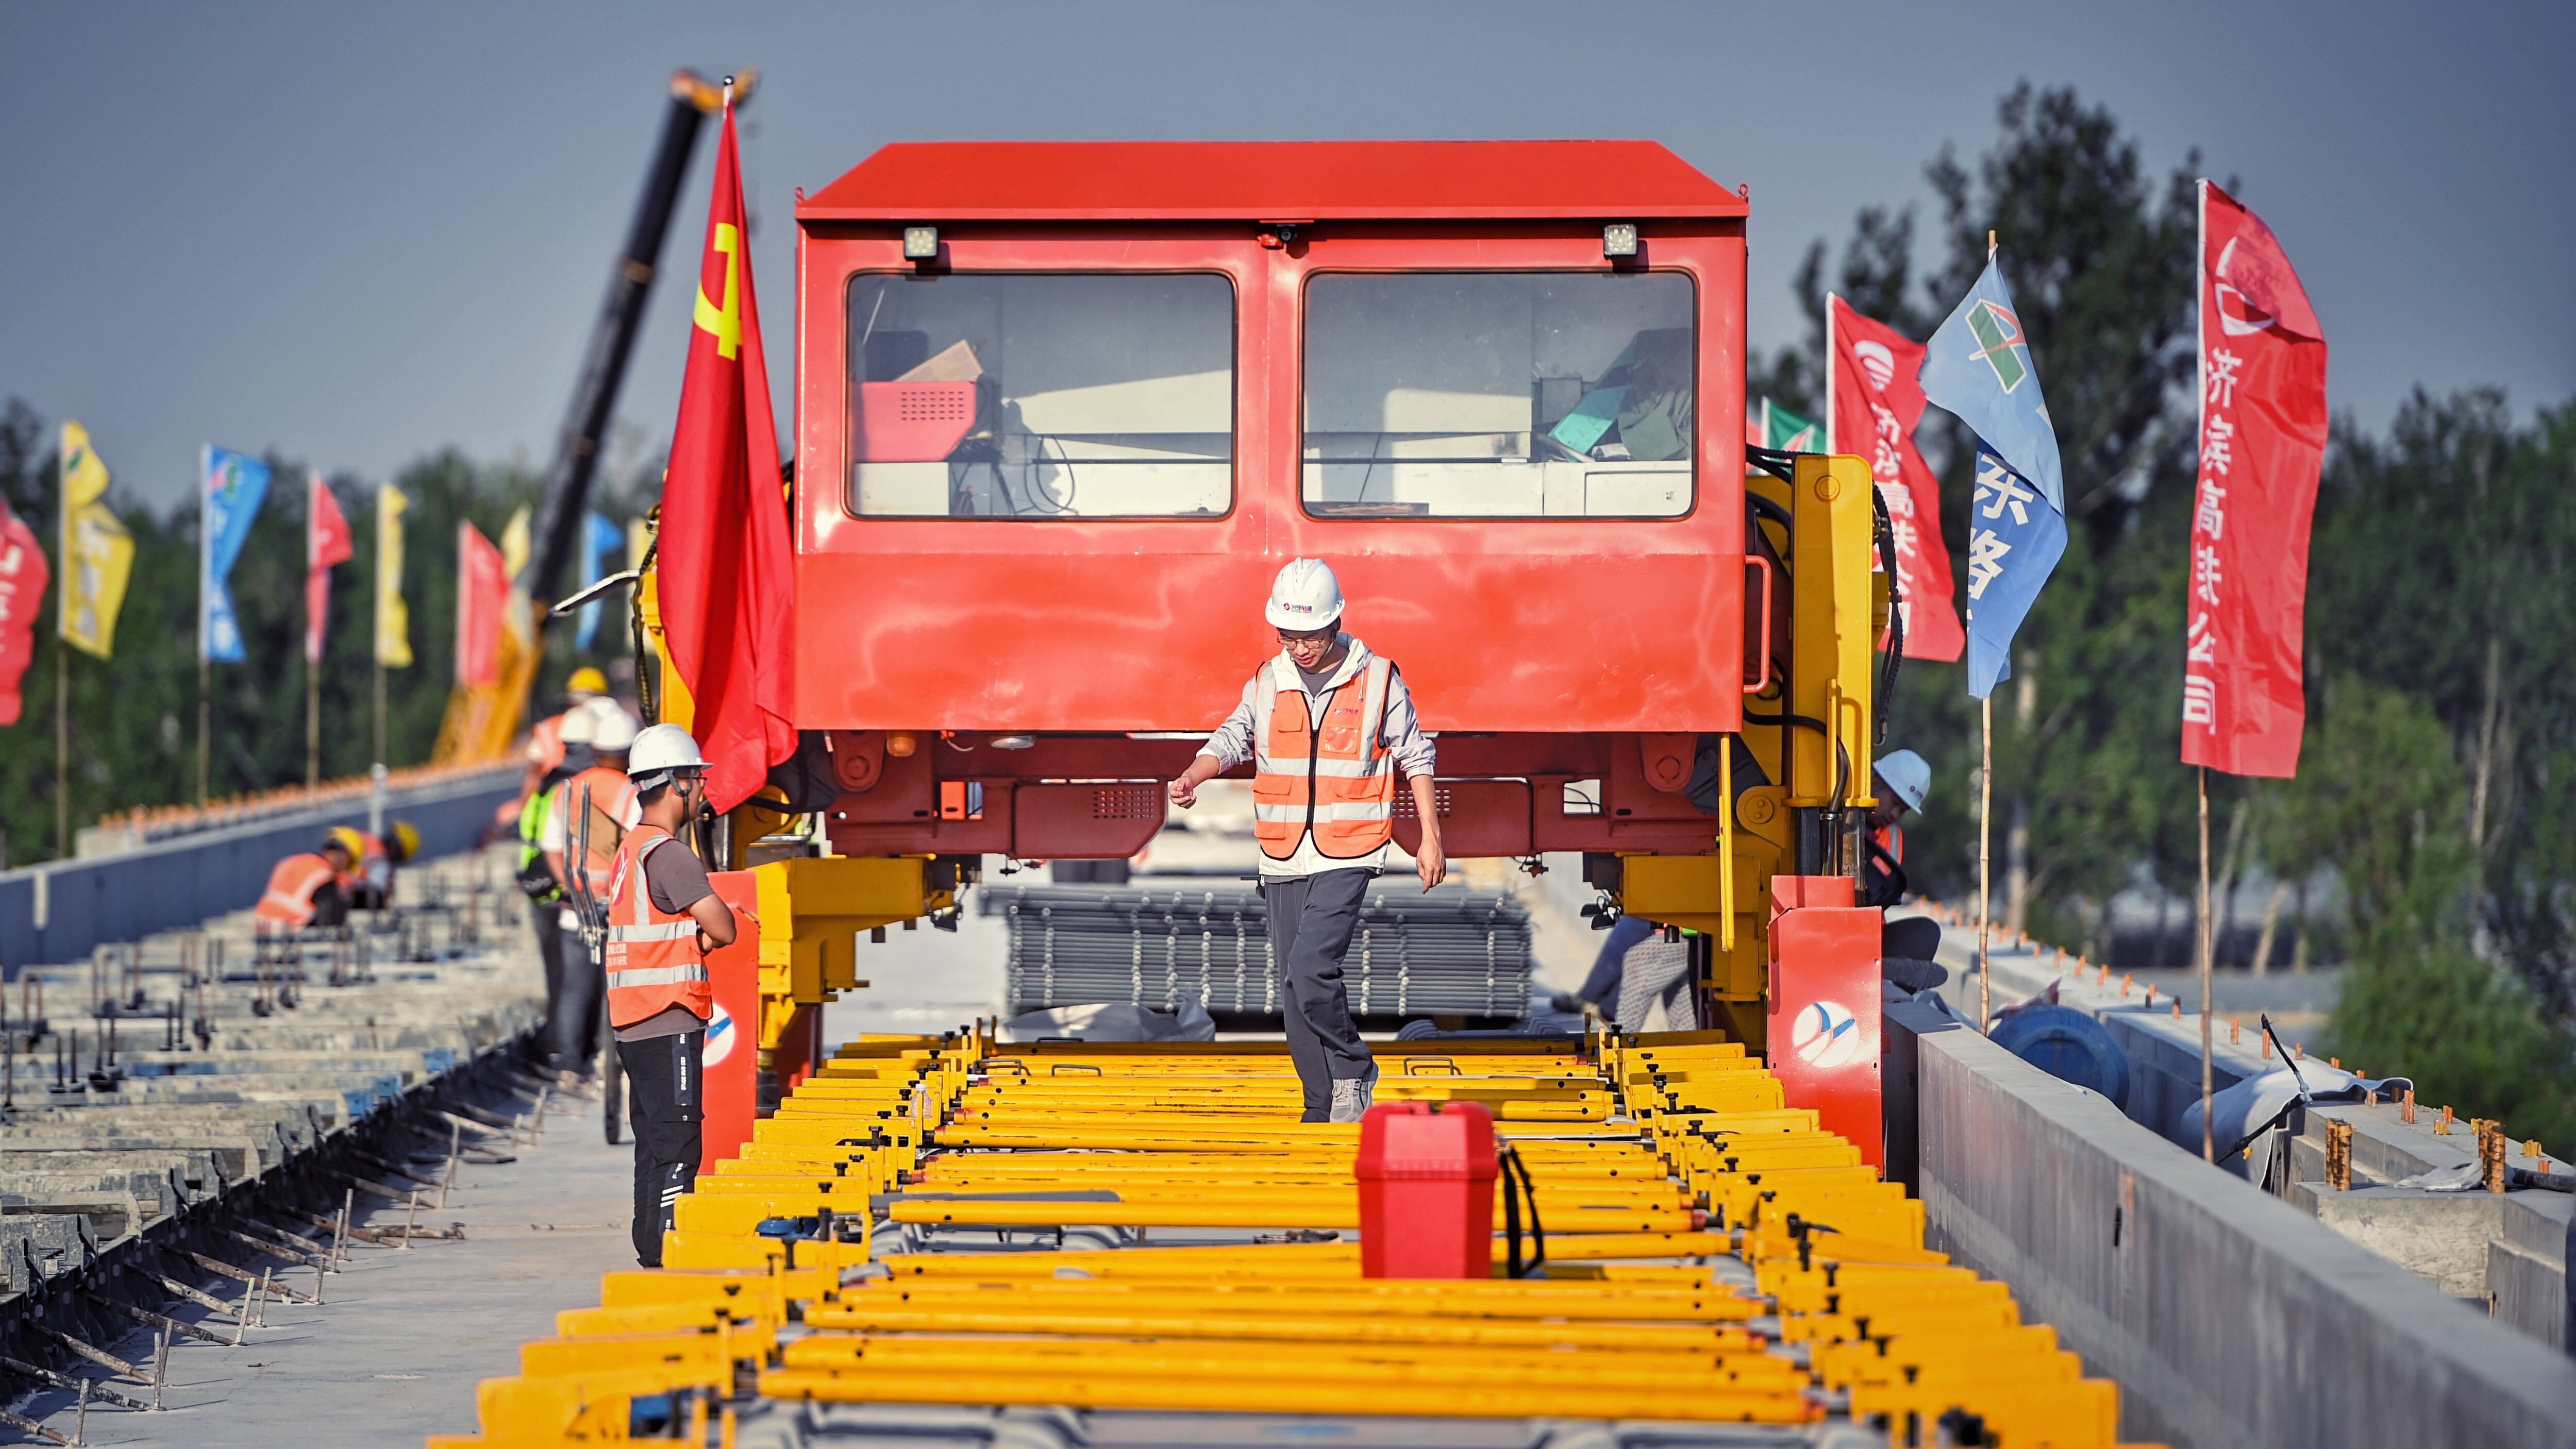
[1873,403]
[2262,442]
[23,576]
[482,602]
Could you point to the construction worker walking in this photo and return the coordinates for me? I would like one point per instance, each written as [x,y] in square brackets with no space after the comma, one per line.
[603,790]
[1328,725]
[663,918]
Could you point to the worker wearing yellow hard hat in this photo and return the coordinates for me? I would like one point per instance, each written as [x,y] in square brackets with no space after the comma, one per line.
[368,880]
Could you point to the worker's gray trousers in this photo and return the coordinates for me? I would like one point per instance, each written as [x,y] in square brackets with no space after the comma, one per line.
[1311,920]
[572,1027]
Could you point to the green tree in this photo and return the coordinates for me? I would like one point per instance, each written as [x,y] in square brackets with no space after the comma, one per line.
[133,717]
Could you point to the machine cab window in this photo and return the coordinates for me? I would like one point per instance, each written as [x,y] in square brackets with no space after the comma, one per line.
[1499,395]
[1041,396]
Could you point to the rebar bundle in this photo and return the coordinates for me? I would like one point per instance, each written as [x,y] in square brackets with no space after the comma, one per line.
[1450,952]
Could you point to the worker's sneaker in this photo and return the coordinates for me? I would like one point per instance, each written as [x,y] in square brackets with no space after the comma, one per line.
[1351,1096]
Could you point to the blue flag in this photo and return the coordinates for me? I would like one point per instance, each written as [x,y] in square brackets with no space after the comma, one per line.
[2014,541]
[1978,366]
[234,485]
[599,536]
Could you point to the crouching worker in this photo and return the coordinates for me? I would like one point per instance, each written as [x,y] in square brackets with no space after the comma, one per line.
[1908,946]
[304,890]
[664,917]
[1328,725]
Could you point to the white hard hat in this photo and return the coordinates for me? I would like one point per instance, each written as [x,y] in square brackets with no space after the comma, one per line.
[1305,596]
[578,723]
[612,728]
[660,751]
[1907,777]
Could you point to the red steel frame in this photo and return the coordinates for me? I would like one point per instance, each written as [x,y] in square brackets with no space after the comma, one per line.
[1542,650]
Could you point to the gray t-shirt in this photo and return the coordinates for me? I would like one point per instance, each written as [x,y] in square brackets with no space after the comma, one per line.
[677,880]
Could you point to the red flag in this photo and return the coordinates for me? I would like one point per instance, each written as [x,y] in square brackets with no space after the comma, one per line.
[2262,443]
[728,585]
[1872,402]
[326,542]
[23,576]
[482,600]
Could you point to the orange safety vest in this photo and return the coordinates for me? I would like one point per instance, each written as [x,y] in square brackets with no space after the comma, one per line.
[545,744]
[291,888]
[652,958]
[1337,782]
[611,793]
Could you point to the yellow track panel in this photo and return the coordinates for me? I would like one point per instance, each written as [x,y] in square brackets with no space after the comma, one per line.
[1264,1393]
[1714,1256]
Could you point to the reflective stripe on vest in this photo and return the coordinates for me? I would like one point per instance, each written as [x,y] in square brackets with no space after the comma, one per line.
[1335,781]
[289,899]
[652,956]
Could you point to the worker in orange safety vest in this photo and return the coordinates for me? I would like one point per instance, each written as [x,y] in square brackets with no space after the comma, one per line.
[547,741]
[304,889]
[664,917]
[1328,726]
[572,1027]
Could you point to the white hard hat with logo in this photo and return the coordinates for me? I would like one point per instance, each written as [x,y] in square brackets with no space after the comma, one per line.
[1907,777]
[660,752]
[1305,596]
[612,729]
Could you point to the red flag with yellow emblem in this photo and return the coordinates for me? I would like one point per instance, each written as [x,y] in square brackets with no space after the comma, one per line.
[727,572]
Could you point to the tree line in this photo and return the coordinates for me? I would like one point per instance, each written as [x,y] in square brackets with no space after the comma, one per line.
[2429,840]
[133,718]
[2428,843]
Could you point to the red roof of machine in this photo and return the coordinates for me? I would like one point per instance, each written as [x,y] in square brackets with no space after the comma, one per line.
[1268,181]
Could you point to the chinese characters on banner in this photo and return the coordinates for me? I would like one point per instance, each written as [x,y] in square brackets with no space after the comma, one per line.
[2262,442]
[1873,399]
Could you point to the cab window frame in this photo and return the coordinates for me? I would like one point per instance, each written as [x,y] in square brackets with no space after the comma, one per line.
[852,368]
[1692,462]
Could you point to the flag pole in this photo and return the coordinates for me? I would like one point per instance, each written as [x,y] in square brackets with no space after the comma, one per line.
[312,725]
[1985,815]
[62,748]
[2208,948]
[1985,833]
[205,566]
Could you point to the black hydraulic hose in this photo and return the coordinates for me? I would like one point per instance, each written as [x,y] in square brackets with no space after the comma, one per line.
[644,692]
[1895,618]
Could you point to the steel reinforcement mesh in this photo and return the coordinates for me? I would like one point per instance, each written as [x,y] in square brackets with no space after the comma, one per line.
[1453,951]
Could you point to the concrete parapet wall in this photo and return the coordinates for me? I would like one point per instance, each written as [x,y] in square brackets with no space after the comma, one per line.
[2229,1317]
[58,912]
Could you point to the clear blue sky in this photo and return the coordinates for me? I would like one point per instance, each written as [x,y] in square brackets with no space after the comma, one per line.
[356,233]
